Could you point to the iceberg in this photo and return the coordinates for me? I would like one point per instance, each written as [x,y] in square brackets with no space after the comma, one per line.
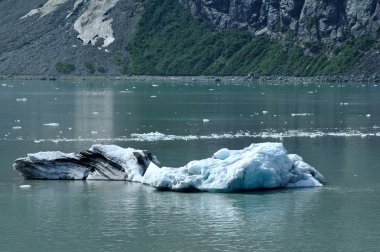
[258,166]
[100,162]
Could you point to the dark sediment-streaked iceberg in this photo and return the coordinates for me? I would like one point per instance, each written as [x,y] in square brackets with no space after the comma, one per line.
[259,166]
[100,162]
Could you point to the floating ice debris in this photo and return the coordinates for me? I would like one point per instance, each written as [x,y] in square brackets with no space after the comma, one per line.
[206,120]
[343,104]
[268,134]
[25,186]
[368,115]
[302,114]
[154,85]
[265,112]
[21,99]
[94,132]
[264,165]
[95,113]
[153,96]
[51,124]
[16,127]
[3,85]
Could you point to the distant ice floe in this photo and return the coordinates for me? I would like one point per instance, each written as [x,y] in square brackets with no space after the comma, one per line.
[259,166]
[301,114]
[51,124]
[157,136]
[21,99]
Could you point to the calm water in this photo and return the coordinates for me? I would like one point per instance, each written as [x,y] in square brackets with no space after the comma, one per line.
[334,127]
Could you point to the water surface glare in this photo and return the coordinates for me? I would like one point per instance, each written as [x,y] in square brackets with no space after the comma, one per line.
[335,128]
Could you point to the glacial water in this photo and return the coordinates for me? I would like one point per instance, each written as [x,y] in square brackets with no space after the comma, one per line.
[334,127]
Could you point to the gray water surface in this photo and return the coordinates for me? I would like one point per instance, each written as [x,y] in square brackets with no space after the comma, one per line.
[335,128]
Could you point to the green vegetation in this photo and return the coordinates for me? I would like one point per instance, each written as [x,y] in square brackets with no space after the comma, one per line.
[122,62]
[64,67]
[102,69]
[169,41]
[90,68]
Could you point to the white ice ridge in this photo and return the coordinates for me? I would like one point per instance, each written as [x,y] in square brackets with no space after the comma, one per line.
[93,23]
[279,135]
[157,136]
[259,166]
[49,7]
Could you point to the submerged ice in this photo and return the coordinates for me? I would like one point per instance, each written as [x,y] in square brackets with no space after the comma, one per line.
[259,166]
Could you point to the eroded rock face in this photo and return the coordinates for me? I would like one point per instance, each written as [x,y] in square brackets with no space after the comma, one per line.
[308,20]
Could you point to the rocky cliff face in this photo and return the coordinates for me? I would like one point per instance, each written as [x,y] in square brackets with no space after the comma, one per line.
[329,21]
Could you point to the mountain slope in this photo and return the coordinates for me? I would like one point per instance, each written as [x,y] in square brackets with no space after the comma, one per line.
[36,35]
[170,42]
[189,37]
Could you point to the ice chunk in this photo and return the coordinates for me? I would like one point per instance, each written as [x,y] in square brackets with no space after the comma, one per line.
[264,165]
[51,124]
[222,154]
[134,162]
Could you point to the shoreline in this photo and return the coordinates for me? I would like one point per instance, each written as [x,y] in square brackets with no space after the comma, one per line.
[248,79]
